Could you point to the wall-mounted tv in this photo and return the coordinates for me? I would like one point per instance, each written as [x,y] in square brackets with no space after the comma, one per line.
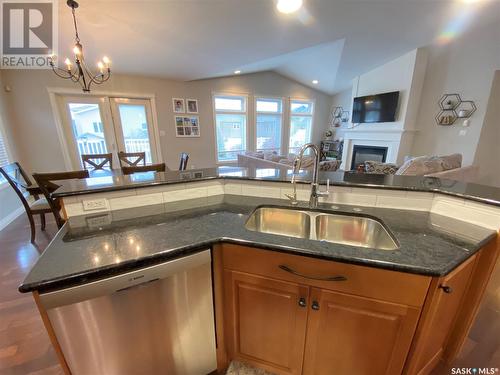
[375,108]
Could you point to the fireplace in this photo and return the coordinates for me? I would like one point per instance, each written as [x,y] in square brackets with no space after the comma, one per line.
[360,154]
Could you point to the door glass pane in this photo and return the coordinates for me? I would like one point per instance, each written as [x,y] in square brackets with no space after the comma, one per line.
[87,128]
[231,136]
[268,133]
[135,129]
[300,132]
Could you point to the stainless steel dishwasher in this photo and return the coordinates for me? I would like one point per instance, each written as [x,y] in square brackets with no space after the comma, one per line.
[156,320]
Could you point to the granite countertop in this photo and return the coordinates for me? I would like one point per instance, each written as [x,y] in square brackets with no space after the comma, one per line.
[100,245]
[112,181]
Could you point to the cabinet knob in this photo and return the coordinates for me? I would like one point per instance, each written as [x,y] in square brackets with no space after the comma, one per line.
[302,302]
[315,305]
[446,289]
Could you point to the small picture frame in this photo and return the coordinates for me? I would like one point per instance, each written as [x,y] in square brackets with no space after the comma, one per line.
[192,105]
[187,126]
[178,105]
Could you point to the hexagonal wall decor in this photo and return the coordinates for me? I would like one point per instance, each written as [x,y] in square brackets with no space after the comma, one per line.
[446,117]
[465,109]
[452,107]
[449,101]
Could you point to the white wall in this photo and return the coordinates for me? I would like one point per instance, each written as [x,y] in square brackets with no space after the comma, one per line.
[39,148]
[465,66]
[487,156]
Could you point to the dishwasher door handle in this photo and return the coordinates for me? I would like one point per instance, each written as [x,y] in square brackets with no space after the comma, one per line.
[144,283]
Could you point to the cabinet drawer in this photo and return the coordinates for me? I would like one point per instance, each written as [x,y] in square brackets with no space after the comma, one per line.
[370,282]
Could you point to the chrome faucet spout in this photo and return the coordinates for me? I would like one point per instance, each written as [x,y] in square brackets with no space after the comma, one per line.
[315,193]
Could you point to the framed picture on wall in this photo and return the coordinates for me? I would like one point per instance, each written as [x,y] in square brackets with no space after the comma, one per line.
[178,105]
[187,126]
[192,105]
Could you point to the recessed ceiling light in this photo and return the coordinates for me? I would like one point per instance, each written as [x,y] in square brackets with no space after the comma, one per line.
[315,81]
[288,6]
[237,71]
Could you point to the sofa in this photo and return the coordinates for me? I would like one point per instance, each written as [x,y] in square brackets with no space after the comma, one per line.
[444,167]
[274,160]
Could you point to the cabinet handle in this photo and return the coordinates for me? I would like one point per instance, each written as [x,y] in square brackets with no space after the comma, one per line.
[315,305]
[327,278]
[446,289]
[302,302]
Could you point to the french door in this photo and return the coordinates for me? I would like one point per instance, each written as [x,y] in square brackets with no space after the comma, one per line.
[97,125]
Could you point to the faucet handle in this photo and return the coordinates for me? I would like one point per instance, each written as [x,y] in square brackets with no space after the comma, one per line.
[326,192]
[293,198]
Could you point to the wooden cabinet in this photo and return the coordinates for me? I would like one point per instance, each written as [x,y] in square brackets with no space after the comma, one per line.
[348,334]
[302,322]
[266,320]
[446,295]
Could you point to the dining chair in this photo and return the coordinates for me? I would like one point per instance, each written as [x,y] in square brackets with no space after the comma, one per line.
[97,161]
[20,182]
[47,186]
[131,159]
[184,161]
[144,168]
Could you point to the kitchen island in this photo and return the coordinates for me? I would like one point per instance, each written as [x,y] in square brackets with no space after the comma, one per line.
[439,263]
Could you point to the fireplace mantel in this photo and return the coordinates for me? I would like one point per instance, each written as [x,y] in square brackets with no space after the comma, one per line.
[397,141]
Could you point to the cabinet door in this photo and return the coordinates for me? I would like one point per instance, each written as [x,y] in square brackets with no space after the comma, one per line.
[355,335]
[266,321]
[445,297]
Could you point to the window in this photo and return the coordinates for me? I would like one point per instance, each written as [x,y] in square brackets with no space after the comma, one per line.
[4,158]
[268,119]
[301,120]
[230,126]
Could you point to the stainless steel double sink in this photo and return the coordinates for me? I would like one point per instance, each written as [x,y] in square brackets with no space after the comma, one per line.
[342,228]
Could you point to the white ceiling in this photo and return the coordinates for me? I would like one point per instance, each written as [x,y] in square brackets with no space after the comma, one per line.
[329,40]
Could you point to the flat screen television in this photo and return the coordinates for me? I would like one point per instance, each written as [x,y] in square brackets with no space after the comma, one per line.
[375,108]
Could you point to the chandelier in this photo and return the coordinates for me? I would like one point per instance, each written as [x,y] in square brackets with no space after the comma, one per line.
[79,71]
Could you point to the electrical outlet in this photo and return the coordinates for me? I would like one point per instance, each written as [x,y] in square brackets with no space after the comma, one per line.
[96,204]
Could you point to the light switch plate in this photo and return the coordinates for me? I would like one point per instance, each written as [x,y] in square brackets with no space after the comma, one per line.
[95,204]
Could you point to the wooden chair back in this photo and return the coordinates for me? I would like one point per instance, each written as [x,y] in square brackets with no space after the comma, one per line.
[131,159]
[97,161]
[184,161]
[147,168]
[46,184]
[18,180]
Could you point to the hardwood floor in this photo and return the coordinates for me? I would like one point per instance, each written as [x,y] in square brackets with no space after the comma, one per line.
[25,348]
[24,344]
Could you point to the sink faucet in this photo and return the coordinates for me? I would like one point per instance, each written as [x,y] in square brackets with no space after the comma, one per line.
[315,192]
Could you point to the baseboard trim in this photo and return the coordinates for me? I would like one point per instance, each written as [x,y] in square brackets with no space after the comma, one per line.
[11,217]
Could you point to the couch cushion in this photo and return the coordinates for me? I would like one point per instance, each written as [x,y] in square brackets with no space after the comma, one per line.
[329,165]
[423,165]
[376,167]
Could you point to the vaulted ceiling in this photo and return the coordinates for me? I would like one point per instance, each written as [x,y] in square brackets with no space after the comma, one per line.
[328,40]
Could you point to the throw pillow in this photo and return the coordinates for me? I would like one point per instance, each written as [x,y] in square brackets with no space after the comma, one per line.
[376,167]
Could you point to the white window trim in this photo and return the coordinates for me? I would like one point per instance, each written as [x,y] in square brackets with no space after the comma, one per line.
[215,113]
[290,115]
[54,92]
[284,104]
[4,184]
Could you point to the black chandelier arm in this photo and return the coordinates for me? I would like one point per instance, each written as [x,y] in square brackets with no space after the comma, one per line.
[67,74]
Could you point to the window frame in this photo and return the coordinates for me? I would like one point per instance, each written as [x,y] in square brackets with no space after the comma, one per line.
[216,112]
[3,182]
[281,114]
[291,114]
